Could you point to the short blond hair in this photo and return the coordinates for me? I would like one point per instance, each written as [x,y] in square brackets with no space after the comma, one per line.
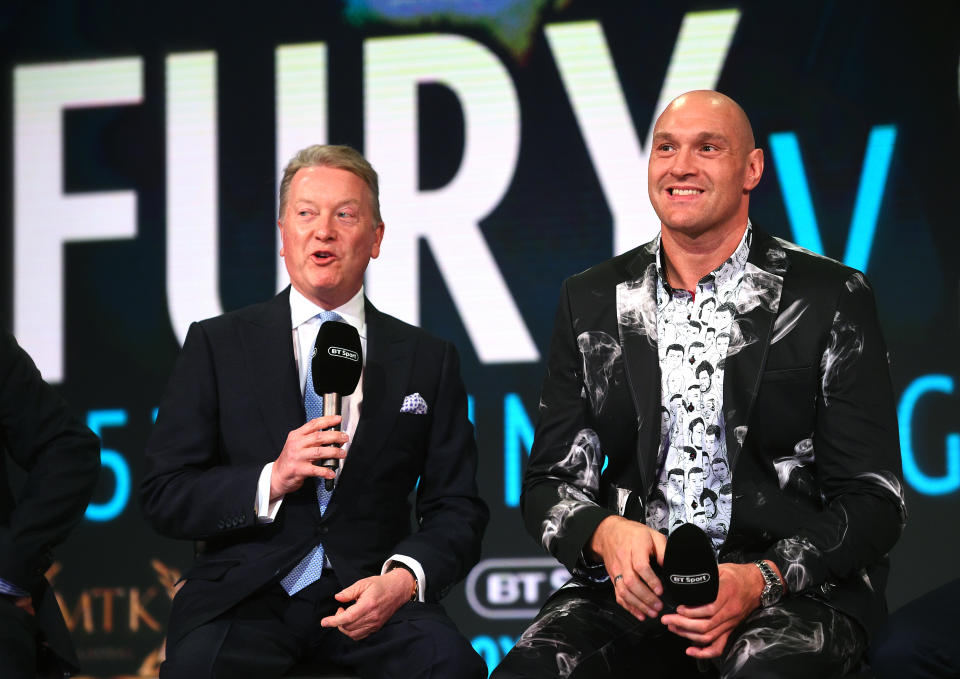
[337,156]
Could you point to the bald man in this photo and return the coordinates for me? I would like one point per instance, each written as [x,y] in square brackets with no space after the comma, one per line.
[812,502]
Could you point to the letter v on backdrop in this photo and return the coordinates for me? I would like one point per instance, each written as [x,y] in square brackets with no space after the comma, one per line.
[785,151]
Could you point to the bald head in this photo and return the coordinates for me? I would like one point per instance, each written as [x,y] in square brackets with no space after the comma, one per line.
[703,165]
[718,106]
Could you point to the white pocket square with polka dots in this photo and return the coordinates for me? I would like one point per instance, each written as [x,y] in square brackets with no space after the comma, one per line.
[414,404]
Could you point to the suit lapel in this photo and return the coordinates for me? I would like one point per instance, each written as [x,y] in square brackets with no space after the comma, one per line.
[636,299]
[758,301]
[268,345]
[386,373]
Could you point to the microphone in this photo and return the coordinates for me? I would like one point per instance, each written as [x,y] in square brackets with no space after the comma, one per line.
[691,567]
[336,364]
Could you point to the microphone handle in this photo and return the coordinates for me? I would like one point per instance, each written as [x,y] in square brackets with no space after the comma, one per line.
[331,406]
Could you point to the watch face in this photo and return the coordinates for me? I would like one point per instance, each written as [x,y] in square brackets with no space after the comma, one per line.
[771,594]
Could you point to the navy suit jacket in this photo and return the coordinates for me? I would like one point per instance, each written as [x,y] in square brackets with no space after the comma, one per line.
[61,458]
[230,403]
[807,365]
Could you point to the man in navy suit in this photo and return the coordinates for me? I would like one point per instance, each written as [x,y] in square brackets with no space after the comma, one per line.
[61,461]
[290,573]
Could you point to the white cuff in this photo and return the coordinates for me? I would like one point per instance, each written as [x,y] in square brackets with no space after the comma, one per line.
[266,510]
[413,565]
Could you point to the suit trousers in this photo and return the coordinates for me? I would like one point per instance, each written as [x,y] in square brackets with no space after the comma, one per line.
[18,641]
[270,632]
[24,653]
[583,633]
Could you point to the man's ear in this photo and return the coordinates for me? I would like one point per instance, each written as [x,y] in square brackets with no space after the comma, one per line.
[754,169]
[377,239]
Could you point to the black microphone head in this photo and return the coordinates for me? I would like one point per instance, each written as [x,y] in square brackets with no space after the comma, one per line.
[691,567]
[337,359]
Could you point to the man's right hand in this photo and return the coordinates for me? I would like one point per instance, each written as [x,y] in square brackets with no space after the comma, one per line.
[304,445]
[626,548]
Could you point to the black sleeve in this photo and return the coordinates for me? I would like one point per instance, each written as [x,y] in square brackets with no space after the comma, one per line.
[561,482]
[62,461]
[186,490]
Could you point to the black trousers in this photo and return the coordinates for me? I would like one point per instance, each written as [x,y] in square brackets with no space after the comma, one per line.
[270,632]
[583,633]
[18,641]
[922,639]
[24,652]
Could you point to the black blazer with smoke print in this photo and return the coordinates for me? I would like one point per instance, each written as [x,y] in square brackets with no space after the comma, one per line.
[807,366]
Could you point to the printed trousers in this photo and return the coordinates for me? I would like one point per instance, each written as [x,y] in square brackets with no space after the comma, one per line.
[583,633]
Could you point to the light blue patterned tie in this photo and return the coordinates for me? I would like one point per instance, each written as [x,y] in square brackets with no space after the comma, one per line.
[310,567]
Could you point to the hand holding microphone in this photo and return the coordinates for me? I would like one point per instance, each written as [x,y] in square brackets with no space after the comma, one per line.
[712,599]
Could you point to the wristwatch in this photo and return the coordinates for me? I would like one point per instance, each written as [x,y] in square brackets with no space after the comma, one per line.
[415,594]
[772,587]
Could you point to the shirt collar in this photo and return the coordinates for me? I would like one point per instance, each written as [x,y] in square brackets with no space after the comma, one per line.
[303,310]
[729,269]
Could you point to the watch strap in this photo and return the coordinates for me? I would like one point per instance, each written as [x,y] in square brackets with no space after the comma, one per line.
[415,594]
[772,587]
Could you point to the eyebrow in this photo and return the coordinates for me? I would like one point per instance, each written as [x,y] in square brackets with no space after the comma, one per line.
[349,202]
[700,138]
[306,201]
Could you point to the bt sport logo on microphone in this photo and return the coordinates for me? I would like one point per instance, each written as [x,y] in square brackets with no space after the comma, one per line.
[340,352]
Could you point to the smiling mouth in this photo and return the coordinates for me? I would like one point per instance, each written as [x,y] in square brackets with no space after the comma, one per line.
[684,192]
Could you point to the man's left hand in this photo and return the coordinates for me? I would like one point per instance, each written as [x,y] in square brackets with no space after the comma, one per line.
[375,599]
[710,626]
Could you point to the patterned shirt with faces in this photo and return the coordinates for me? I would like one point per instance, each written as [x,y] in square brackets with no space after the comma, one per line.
[694,330]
